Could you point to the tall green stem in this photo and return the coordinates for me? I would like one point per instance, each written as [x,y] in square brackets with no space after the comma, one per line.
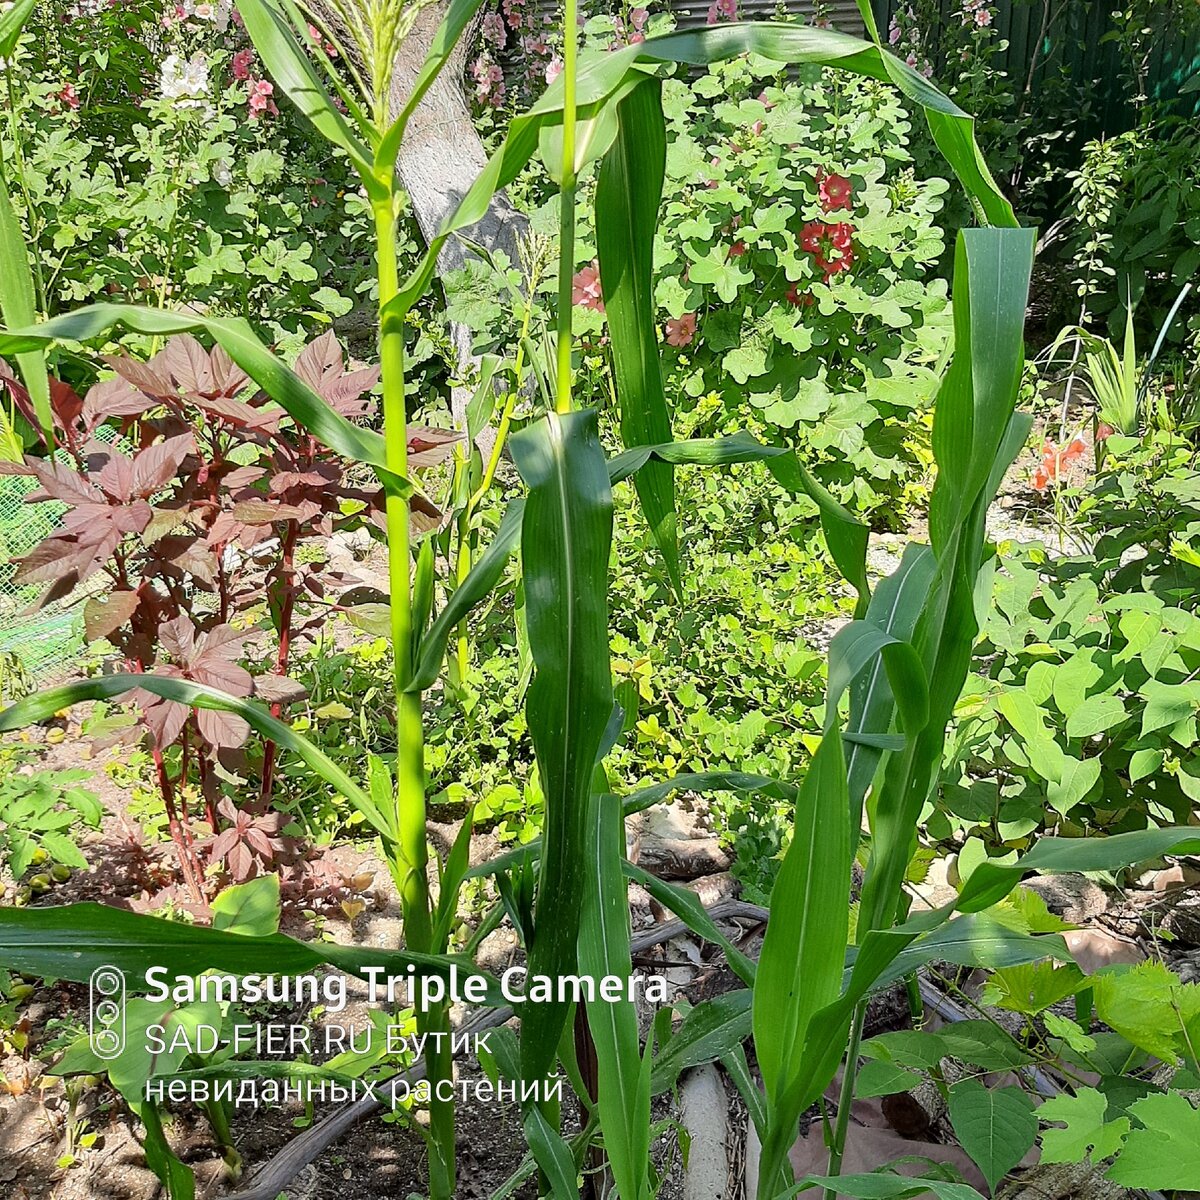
[409,817]
[846,1099]
[566,212]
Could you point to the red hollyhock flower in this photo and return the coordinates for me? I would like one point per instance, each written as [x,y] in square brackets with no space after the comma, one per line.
[811,235]
[737,249]
[834,191]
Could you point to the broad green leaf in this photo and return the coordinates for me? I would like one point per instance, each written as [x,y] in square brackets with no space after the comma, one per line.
[1095,715]
[1033,987]
[995,1126]
[1152,1008]
[565,539]
[249,908]
[628,194]
[175,1175]
[1088,1136]
[878,1078]
[42,705]
[1164,1152]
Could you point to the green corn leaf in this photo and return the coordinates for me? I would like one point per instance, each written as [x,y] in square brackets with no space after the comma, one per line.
[44,704]
[238,340]
[685,904]
[712,1029]
[623,1100]
[12,23]
[990,882]
[973,433]
[553,1155]
[478,585]
[800,969]
[174,1174]
[292,69]
[644,798]
[451,881]
[894,609]
[565,541]
[881,1186]
[71,941]
[628,194]
[846,537]
[18,307]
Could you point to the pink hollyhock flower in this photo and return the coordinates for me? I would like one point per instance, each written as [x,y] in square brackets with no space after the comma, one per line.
[722,10]
[638,18]
[1104,430]
[585,288]
[241,64]
[553,69]
[983,17]
[834,191]
[737,249]
[69,96]
[260,99]
[681,332]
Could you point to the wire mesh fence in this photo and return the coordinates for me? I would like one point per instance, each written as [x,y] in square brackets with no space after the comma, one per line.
[37,641]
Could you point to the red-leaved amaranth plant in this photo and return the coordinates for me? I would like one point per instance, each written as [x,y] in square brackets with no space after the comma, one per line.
[184,538]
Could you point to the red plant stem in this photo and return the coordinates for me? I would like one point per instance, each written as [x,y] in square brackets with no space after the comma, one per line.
[186,855]
[287,604]
[210,813]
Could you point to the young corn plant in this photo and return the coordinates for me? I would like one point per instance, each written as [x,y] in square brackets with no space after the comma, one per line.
[902,660]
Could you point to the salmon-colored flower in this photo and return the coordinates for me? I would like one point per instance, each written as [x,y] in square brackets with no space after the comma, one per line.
[681,331]
[1055,461]
[834,191]
[585,288]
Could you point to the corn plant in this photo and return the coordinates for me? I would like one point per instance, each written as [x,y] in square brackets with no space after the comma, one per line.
[902,660]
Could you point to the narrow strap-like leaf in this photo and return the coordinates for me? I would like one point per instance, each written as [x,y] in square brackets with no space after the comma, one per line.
[18,307]
[480,582]
[565,540]
[623,1101]
[239,341]
[628,194]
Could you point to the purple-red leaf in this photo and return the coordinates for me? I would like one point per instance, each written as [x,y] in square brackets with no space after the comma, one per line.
[102,616]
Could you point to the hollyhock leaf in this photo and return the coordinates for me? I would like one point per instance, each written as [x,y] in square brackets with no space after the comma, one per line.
[101,616]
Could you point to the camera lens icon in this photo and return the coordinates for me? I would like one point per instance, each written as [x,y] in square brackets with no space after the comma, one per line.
[107,981]
[106,1025]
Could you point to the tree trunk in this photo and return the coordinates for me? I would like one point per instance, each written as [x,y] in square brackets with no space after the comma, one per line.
[441,158]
